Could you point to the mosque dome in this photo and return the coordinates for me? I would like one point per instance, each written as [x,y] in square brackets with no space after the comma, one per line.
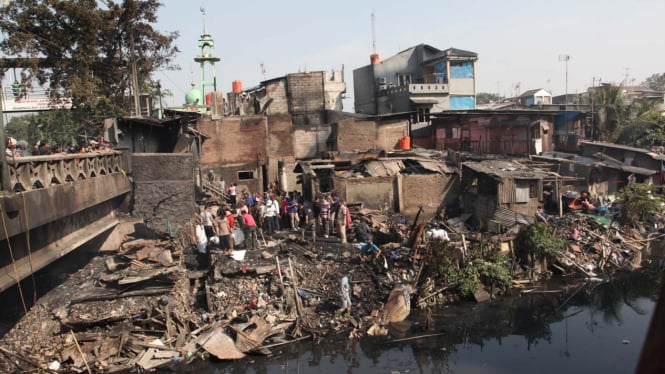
[192,96]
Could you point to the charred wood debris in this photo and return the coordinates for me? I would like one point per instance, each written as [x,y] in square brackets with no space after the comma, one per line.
[151,303]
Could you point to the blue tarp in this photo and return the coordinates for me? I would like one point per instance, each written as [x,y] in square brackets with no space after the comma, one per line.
[463,69]
[462,102]
[440,68]
[564,117]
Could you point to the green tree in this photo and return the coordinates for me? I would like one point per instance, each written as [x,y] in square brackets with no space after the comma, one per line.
[537,244]
[57,126]
[638,202]
[85,51]
[612,112]
[655,82]
[487,97]
[645,131]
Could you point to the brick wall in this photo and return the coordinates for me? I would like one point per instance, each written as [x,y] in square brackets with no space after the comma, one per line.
[352,135]
[430,191]
[306,97]
[373,192]
[276,90]
[309,141]
[233,140]
[164,189]
[306,92]
[389,134]
[280,136]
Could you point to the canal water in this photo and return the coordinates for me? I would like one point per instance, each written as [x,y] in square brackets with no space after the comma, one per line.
[590,327]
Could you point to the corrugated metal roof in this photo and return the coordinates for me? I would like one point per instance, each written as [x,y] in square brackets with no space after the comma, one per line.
[654,155]
[627,168]
[507,217]
[435,166]
[383,168]
[502,169]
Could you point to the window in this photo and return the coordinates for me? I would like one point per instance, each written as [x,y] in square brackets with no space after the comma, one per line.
[522,191]
[403,79]
[245,175]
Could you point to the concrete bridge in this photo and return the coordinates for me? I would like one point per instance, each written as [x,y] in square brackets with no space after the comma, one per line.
[52,205]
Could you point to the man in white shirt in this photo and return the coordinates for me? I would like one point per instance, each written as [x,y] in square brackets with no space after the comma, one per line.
[269,216]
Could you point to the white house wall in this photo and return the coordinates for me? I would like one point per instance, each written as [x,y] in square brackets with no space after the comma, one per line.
[462,87]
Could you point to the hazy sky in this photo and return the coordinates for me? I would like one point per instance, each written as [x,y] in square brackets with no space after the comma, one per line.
[517,41]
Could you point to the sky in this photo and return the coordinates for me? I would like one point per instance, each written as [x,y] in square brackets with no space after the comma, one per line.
[518,42]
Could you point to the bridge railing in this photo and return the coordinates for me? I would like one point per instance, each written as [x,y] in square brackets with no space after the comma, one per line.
[35,172]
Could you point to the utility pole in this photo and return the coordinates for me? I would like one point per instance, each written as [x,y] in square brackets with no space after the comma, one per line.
[592,95]
[373,34]
[135,78]
[3,142]
[565,58]
[159,94]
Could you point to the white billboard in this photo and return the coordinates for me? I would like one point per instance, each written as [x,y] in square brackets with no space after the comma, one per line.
[34,100]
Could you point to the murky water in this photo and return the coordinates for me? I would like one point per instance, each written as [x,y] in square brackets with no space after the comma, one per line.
[591,328]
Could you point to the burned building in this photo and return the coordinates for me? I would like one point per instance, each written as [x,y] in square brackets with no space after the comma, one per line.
[501,193]
[399,183]
[307,96]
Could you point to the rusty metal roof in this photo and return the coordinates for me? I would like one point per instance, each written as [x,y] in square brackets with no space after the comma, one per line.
[388,167]
[508,218]
[654,155]
[502,169]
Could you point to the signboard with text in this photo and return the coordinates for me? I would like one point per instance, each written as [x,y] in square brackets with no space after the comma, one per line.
[15,101]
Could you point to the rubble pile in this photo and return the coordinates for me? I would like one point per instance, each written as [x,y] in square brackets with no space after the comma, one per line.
[148,305]
[158,302]
[594,246]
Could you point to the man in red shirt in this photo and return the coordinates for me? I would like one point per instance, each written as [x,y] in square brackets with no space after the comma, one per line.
[249,225]
[232,225]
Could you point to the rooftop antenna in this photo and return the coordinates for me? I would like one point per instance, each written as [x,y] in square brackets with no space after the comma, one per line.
[191,72]
[263,71]
[373,34]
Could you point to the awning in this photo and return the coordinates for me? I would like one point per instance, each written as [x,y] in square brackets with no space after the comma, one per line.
[425,100]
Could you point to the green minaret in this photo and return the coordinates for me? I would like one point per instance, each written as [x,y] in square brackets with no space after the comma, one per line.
[207,46]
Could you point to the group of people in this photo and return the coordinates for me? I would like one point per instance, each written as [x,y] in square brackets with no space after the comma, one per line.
[14,148]
[273,211]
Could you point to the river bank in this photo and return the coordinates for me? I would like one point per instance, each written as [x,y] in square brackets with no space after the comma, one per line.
[153,299]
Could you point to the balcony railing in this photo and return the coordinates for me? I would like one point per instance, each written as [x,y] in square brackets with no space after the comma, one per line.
[418,88]
[511,147]
[35,172]
[428,88]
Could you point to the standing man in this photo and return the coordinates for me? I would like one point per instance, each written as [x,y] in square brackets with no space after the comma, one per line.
[343,218]
[233,194]
[249,225]
[310,220]
[324,213]
[222,184]
[223,230]
[344,295]
[334,207]
[362,231]
[208,222]
[292,208]
[269,216]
